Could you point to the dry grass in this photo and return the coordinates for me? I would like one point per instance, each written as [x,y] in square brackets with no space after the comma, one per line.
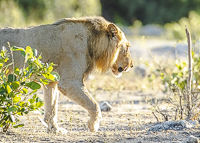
[128,121]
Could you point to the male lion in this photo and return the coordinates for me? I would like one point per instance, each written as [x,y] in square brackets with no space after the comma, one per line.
[78,46]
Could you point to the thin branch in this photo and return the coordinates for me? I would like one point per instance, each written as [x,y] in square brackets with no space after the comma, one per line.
[164,115]
[189,59]
[156,117]
[189,80]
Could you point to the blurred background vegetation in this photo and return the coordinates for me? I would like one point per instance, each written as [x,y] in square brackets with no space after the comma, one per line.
[32,12]
[148,11]
[172,15]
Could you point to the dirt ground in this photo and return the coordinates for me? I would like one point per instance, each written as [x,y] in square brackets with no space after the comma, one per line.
[128,121]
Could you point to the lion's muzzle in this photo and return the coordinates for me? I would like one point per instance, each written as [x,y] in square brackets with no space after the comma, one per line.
[120,69]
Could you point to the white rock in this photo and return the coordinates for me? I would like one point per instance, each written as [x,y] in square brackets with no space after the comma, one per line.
[195,122]
[141,70]
[175,125]
[186,124]
[191,139]
[105,106]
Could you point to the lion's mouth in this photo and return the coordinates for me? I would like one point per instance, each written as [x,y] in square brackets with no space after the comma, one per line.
[116,73]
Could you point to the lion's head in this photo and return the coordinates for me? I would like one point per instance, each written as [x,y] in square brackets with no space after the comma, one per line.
[109,47]
[123,62]
[122,59]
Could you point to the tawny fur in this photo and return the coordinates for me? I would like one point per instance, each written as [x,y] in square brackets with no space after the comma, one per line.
[78,46]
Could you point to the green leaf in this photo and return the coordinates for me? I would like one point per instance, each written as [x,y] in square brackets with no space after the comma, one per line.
[24,90]
[16,71]
[56,76]
[15,84]
[2,61]
[1,65]
[35,52]
[49,76]
[12,109]
[17,49]
[21,103]
[44,81]
[49,69]
[23,53]
[6,59]
[17,126]
[33,91]
[7,70]
[16,99]
[9,90]
[11,78]
[8,100]
[39,104]
[2,91]
[29,52]
[33,85]
[32,100]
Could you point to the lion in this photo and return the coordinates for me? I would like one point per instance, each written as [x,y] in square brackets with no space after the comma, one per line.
[77,46]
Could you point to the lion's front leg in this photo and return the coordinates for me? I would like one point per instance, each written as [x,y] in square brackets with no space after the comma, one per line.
[76,91]
[51,95]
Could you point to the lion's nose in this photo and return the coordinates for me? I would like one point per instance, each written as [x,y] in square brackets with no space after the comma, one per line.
[120,69]
[132,64]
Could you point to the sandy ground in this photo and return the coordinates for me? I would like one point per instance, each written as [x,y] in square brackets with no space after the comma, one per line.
[128,121]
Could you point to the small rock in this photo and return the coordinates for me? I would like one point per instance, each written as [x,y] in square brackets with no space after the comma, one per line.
[172,125]
[195,122]
[141,70]
[105,106]
[185,124]
[191,139]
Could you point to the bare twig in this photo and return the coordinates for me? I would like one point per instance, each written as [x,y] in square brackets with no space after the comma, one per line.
[156,117]
[164,115]
[189,71]
[189,59]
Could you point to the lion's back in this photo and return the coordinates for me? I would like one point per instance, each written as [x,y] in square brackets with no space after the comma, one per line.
[73,40]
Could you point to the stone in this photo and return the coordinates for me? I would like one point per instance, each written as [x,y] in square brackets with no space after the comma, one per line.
[141,70]
[105,106]
[191,139]
[171,125]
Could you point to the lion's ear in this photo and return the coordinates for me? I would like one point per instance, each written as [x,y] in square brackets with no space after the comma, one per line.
[112,30]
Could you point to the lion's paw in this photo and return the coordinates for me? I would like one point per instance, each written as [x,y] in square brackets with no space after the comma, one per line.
[57,130]
[94,125]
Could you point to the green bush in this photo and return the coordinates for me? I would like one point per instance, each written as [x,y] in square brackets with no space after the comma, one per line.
[18,87]
[178,75]
[174,79]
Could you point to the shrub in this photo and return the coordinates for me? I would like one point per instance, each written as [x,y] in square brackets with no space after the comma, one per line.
[175,83]
[178,75]
[18,87]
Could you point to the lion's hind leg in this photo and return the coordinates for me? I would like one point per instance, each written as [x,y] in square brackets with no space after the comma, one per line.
[51,95]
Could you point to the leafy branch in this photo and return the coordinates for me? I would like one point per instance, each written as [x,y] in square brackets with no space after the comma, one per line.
[18,87]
